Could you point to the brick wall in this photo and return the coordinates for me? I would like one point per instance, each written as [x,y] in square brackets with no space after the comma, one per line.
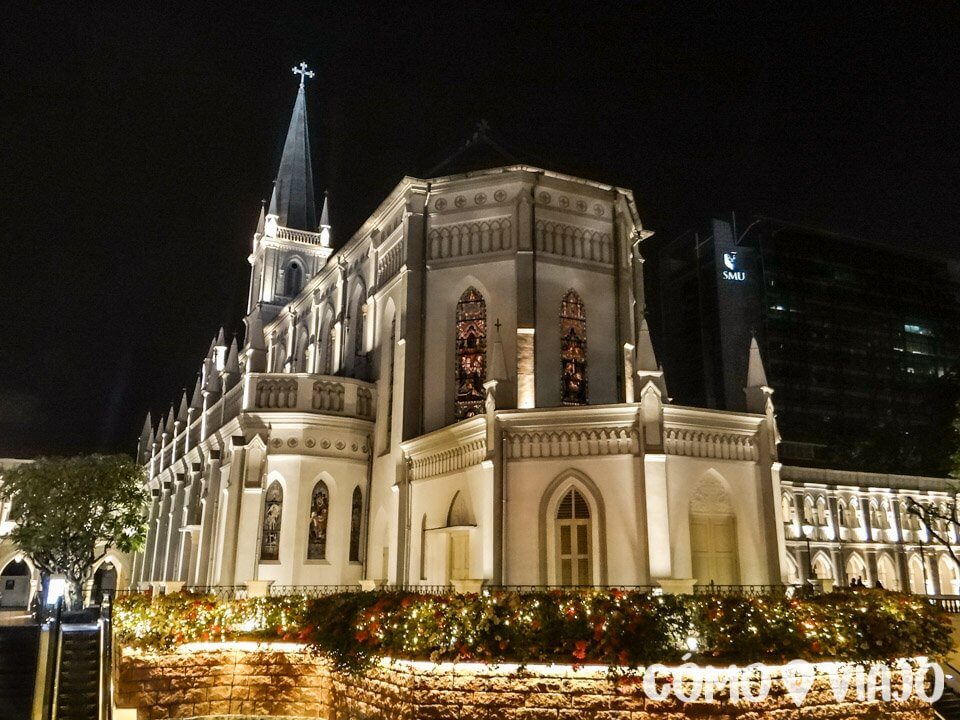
[286,681]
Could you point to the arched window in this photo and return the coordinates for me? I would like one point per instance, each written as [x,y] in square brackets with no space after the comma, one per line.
[842,516]
[471,368]
[272,515]
[360,313]
[787,509]
[293,279]
[856,569]
[821,516]
[319,511]
[328,350]
[822,568]
[356,516]
[887,573]
[573,350]
[391,350]
[573,540]
[854,514]
[808,512]
[918,583]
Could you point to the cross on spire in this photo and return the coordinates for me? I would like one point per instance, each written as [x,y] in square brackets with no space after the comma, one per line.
[302,71]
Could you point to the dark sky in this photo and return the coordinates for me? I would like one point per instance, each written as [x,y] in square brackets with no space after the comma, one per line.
[137,140]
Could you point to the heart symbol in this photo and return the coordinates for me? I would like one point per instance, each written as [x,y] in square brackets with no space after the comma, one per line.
[798,677]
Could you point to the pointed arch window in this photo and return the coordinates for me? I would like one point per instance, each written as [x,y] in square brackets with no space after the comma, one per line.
[293,280]
[356,516]
[391,350]
[319,513]
[573,350]
[272,517]
[573,540]
[471,368]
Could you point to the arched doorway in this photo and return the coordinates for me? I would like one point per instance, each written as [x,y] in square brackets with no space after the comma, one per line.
[856,569]
[887,573]
[15,585]
[918,583]
[947,571]
[822,567]
[104,582]
[713,535]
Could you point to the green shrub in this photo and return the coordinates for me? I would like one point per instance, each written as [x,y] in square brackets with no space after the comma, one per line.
[617,628]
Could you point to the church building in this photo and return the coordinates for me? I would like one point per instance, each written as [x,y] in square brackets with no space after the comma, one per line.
[464,394]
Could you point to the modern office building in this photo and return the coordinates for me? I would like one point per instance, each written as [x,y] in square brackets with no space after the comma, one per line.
[856,338]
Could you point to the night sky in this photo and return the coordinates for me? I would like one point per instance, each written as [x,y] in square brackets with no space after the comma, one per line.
[137,141]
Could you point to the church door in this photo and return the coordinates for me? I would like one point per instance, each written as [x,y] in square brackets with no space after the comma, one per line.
[713,546]
[459,558]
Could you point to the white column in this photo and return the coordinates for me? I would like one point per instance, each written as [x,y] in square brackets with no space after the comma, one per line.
[658,515]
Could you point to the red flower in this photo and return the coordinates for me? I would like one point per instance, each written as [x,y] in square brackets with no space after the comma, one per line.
[580,649]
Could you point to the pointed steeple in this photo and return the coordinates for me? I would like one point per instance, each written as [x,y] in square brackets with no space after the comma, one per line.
[146,439]
[498,366]
[760,395]
[292,204]
[756,375]
[182,410]
[648,369]
[262,220]
[196,400]
[168,428]
[255,349]
[219,350]
[325,221]
[231,368]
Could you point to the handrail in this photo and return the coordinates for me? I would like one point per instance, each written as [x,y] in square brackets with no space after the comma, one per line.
[106,656]
[54,640]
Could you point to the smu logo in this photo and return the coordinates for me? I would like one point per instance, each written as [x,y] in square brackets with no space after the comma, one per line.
[730,271]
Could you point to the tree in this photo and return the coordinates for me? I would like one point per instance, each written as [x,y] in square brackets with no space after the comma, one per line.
[940,519]
[70,512]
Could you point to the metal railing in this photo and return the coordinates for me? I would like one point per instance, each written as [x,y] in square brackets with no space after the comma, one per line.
[743,590]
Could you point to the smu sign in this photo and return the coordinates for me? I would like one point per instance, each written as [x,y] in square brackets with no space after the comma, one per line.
[730,271]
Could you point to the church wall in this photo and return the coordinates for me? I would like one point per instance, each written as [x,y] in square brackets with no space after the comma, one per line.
[596,288]
[619,553]
[298,475]
[740,482]
[433,497]
[497,282]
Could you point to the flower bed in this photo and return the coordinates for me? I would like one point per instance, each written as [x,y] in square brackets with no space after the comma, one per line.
[608,627]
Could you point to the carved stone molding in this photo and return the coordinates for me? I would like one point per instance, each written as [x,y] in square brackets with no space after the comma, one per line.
[470,238]
[705,444]
[572,443]
[448,460]
[573,242]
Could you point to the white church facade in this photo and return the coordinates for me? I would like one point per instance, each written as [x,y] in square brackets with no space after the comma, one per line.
[465,394]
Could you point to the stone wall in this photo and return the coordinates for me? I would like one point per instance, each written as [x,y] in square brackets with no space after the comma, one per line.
[281,680]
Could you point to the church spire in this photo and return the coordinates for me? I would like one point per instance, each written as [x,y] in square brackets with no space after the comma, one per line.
[146,438]
[292,204]
[648,369]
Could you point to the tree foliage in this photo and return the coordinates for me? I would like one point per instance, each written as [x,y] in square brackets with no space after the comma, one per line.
[70,512]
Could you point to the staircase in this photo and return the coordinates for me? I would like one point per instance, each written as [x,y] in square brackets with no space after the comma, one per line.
[18,666]
[78,686]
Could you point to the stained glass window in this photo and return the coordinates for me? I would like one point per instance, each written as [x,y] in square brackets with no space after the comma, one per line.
[471,353]
[356,515]
[272,515]
[319,510]
[573,350]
